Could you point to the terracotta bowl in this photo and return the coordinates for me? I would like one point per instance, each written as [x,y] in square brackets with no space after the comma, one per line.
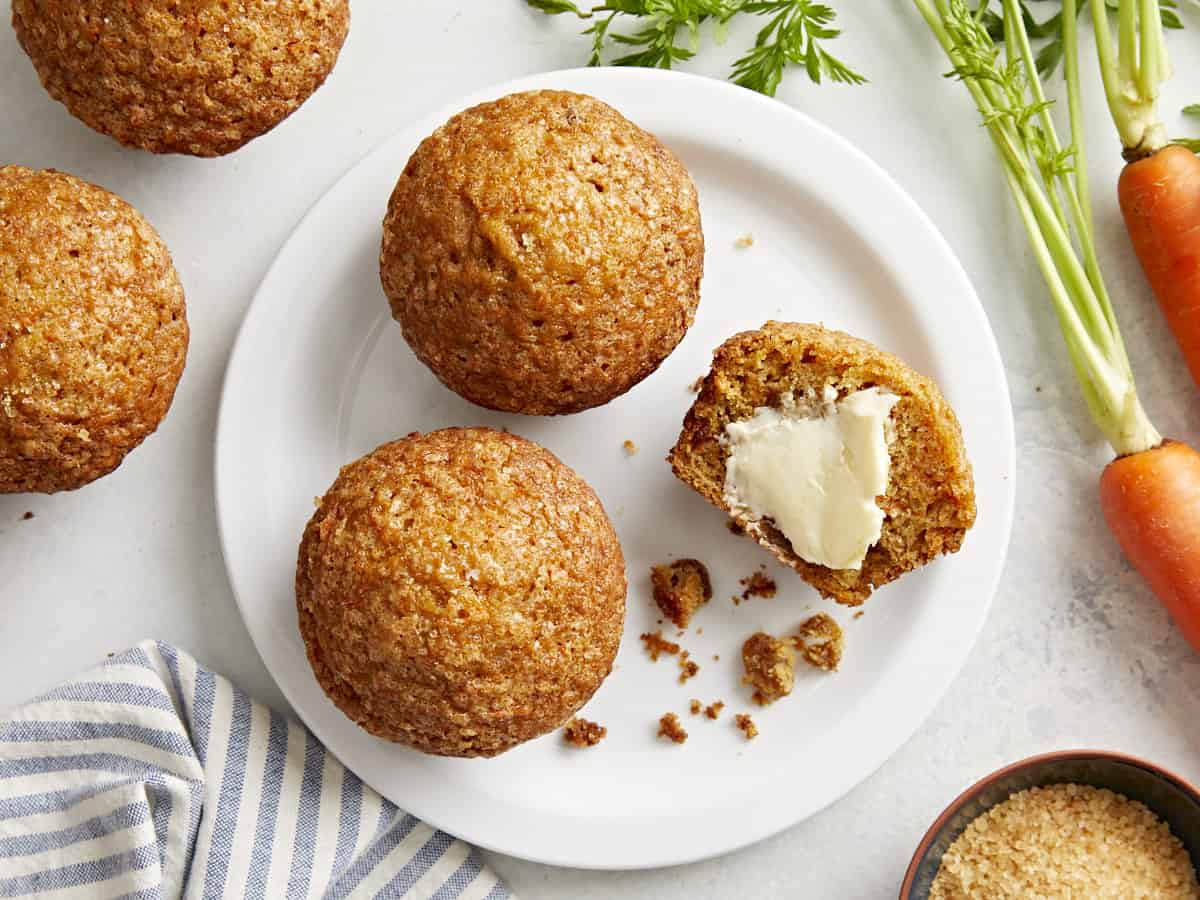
[1168,795]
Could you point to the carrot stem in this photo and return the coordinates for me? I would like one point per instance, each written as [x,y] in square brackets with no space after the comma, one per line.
[1041,175]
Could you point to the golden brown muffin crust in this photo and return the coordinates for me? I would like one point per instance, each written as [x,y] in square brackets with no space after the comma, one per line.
[930,501]
[542,254]
[460,592]
[93,330]
[182,76]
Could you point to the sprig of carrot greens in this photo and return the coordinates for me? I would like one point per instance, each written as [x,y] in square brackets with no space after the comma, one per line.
[669,32]
[1048,183]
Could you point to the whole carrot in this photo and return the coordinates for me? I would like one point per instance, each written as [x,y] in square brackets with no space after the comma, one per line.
[1159,189]
[1150,494]
[1151,501]
[1160,200]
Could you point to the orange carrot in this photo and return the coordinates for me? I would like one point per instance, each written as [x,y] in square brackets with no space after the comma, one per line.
[1150,494]
[1160,199]
[1151,501]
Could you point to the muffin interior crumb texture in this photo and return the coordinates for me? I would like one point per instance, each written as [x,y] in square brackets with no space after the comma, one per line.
[930,500]
[688,667]
[680,588]
[1066,841]
[745,724]
[582,733]
[757,584]
[820,642]
[770,667]
[670,728]
[656,645]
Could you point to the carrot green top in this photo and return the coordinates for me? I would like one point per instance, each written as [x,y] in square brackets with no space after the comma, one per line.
[1049,185]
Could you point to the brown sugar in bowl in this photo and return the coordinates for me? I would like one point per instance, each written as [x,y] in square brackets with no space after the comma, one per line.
[542,254]
[460,592]
[1166,795]
[93,331]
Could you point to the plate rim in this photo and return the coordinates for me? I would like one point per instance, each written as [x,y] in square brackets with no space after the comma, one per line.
[970,300]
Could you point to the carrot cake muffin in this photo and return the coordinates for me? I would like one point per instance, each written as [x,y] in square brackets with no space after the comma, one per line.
[460,592]
[837,457]
[93,331]
[199,77]
[542,253]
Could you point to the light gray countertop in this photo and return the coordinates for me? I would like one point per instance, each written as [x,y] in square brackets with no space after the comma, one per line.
[1075,653]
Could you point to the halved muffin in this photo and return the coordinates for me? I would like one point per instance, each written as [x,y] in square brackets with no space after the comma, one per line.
[793,374]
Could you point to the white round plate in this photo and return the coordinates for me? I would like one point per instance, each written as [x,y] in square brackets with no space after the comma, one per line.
[320,375]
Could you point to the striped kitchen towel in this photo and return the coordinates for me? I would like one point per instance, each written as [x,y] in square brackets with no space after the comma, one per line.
[150,777]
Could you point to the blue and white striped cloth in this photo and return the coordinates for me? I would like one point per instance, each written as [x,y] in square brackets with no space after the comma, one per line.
[152,778]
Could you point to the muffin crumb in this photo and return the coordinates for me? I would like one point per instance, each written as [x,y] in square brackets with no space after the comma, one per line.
[695,707]
[713,710]
[27,516]
[630,448]
[820,641]
[770,667]
[657,645]
[746,725]
[759,584]
[859,614]
[688,668]
[669,728]
[745,242]
[680,588]
[582,733]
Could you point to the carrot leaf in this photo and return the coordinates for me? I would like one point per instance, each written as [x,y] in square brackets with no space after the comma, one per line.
[668,31]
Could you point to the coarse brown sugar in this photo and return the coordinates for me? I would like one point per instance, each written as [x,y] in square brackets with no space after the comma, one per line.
[1066,841]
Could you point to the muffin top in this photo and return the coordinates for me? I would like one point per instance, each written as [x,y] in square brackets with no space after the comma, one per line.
[182,76]
[542,253]
[93,332]
[461,591]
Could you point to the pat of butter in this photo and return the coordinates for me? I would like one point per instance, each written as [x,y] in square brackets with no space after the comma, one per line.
[815,467]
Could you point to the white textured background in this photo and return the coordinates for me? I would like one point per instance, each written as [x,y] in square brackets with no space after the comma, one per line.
[1076,652]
